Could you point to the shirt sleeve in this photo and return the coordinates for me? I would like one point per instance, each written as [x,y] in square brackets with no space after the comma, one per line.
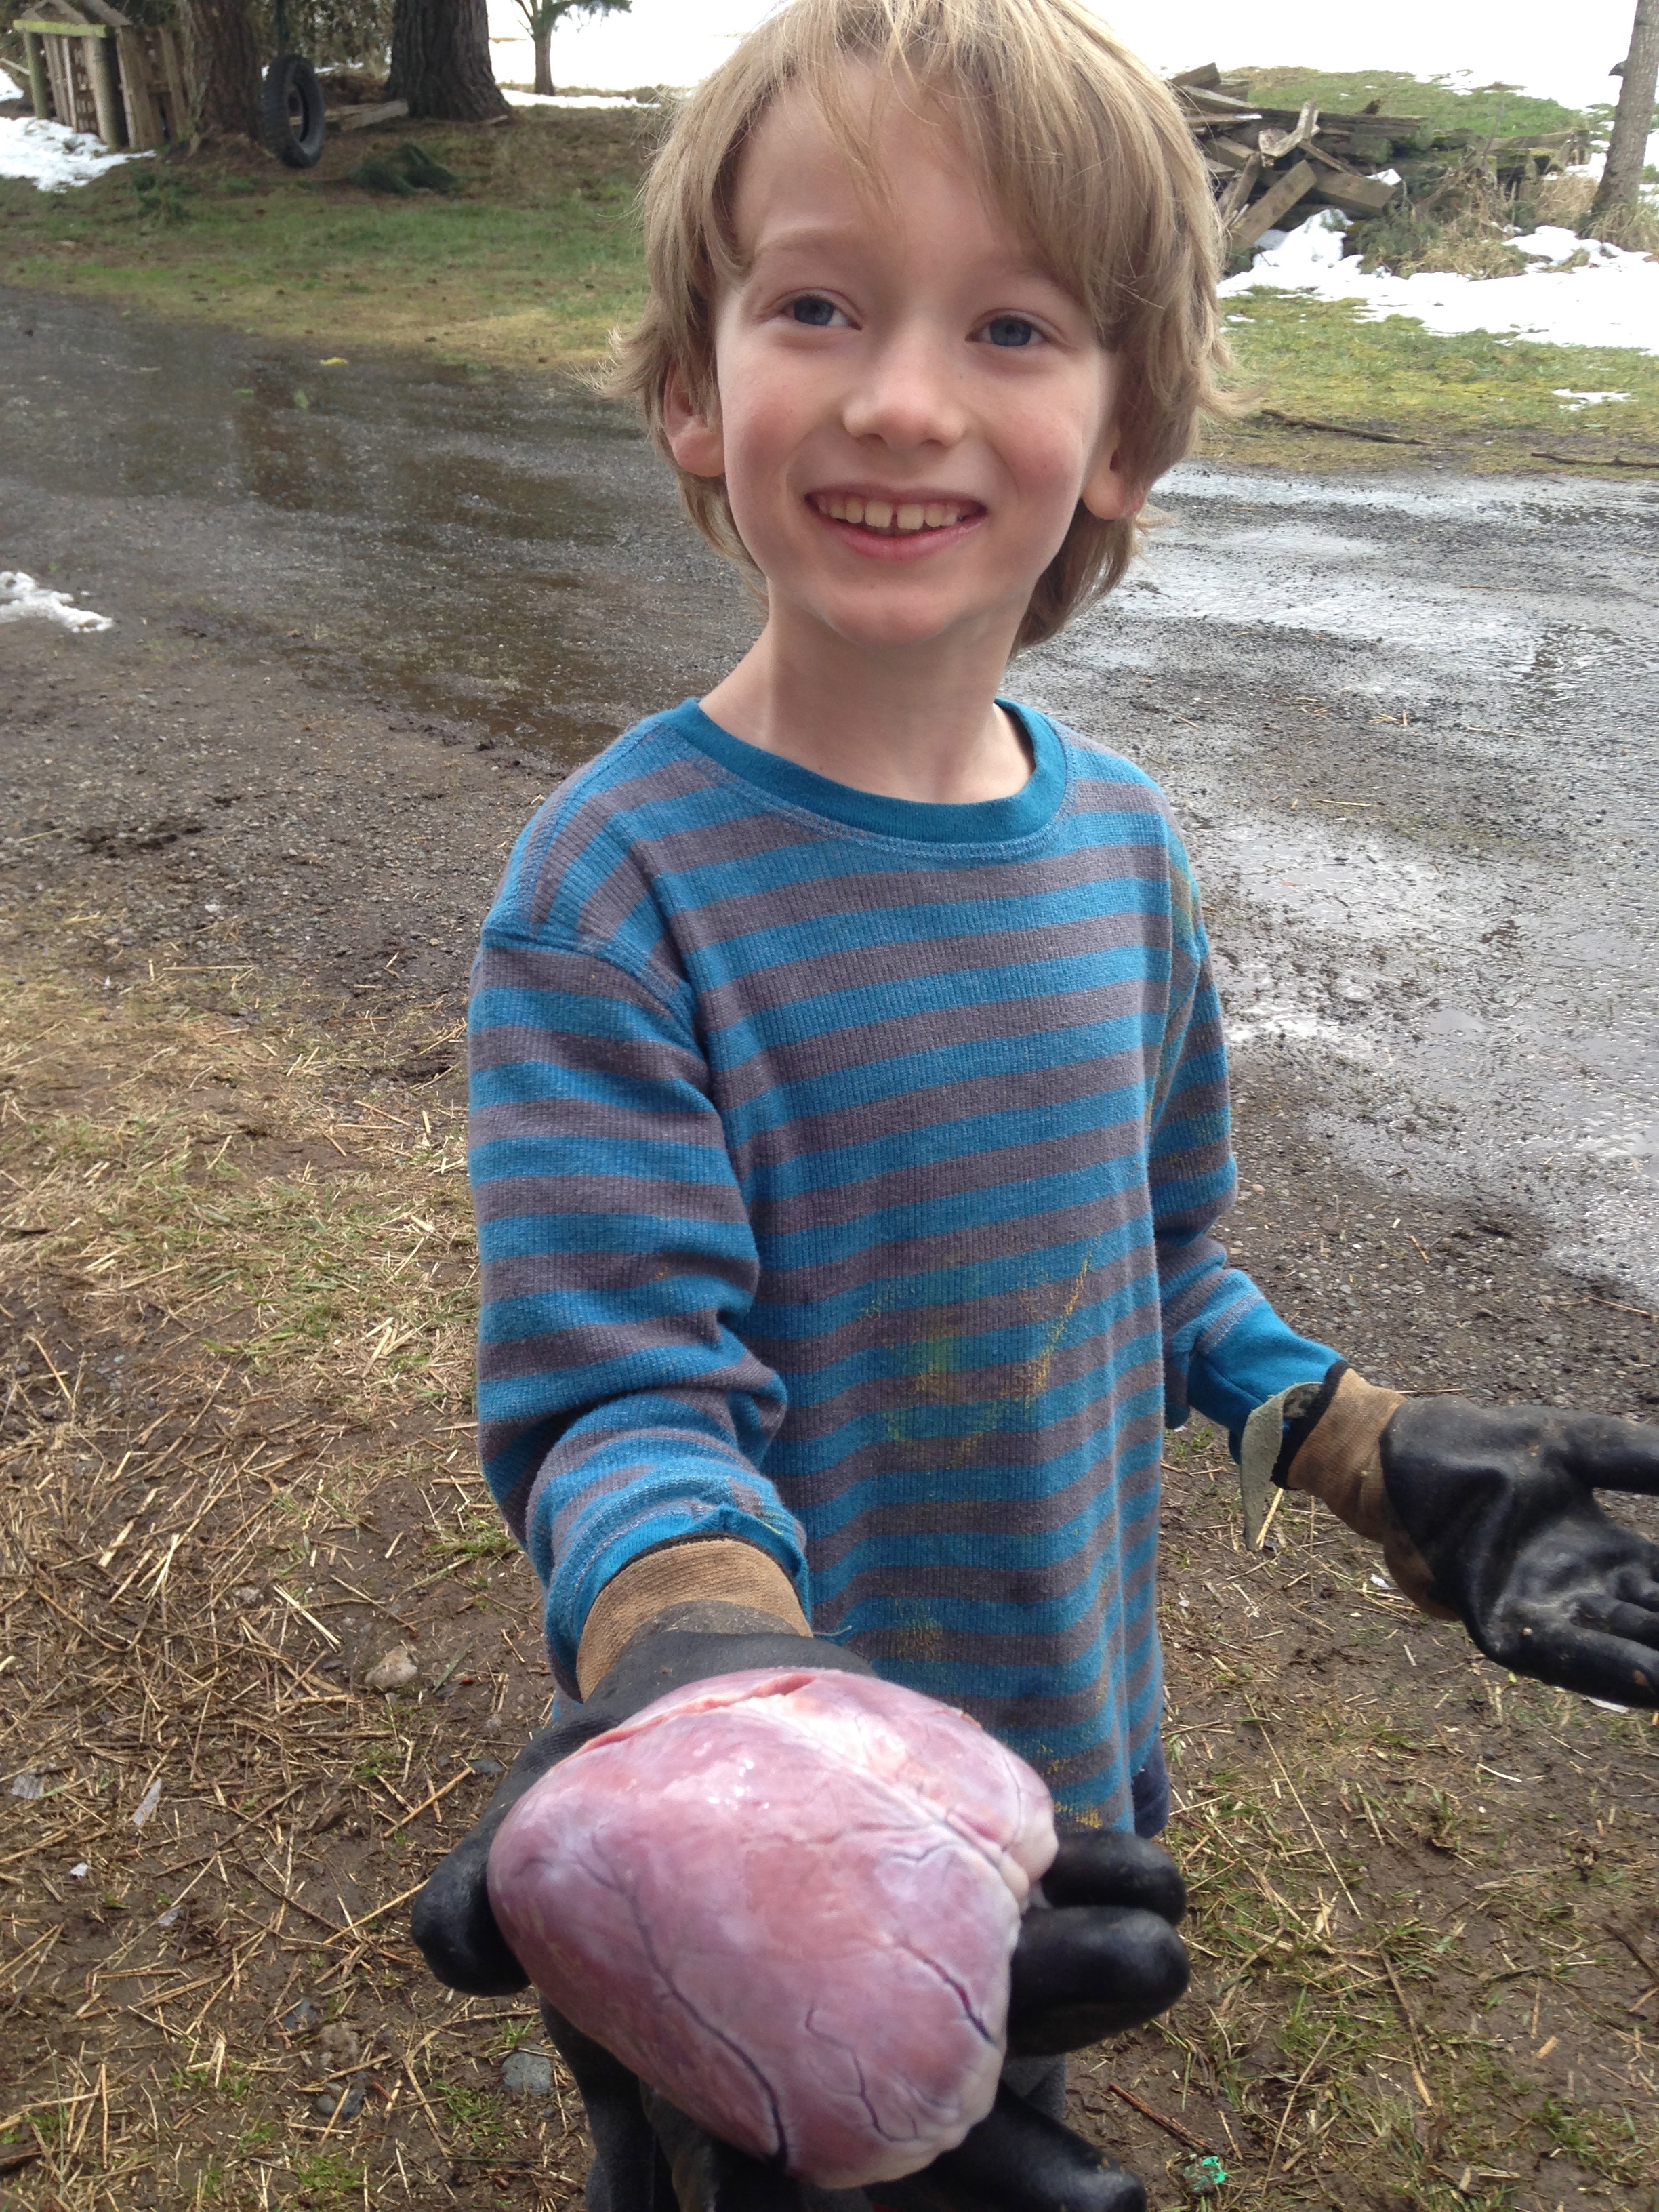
[1225,1351]
[619,1408]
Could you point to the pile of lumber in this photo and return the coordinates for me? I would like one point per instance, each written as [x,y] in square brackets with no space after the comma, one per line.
[1273,167]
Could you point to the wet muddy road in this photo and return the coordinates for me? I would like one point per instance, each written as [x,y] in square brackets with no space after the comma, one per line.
[365,611]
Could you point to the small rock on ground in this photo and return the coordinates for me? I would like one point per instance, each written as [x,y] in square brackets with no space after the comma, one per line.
[395,1671]
[341,2100]
[527,2074]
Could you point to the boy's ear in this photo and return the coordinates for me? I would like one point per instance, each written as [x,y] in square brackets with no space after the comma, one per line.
[1109,493]
[694,439]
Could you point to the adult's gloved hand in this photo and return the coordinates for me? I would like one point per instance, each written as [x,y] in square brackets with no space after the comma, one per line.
[1489,1516]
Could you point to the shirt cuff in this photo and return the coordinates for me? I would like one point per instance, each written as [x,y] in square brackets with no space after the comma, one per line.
[1259,1356]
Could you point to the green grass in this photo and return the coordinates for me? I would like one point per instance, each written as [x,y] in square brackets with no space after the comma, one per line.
[478,1534]
[530,264]
[1489,400]
[474,2115]
[330,2177]
[1493,110]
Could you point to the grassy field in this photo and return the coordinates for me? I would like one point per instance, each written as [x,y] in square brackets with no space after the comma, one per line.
[527,266]
[531,264]
[237,1477]
[1484,402]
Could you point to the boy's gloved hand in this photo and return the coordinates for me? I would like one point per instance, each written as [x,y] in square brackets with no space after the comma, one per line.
[1097,1952]
[1489,1516]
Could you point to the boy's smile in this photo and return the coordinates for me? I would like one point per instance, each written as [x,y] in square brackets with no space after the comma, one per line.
[910,407]
[887,514]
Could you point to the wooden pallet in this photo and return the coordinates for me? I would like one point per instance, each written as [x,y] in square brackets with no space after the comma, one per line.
[96,71]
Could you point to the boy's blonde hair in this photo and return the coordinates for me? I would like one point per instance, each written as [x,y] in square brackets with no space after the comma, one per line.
[1079,143]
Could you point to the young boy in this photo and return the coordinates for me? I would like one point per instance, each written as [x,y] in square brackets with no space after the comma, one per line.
[850,1109]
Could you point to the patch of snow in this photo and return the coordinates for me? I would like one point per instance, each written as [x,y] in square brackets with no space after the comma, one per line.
[52,156]
[1551,243]
[21,596]
[1610,298]
[570,99]
[1573,401]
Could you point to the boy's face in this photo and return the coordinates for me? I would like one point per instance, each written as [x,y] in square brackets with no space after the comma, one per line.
[910,407]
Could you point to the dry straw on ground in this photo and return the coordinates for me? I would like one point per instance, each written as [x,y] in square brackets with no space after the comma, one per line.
[236,1474]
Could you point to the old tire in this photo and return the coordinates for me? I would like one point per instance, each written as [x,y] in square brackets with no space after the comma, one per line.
[291,118]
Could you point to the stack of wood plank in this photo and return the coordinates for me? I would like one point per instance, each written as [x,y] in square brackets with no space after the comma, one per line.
[1274,165]
[96,71]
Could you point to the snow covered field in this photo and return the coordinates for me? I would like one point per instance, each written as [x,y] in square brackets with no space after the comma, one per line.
[1578,291]
[567,99]
[52,156]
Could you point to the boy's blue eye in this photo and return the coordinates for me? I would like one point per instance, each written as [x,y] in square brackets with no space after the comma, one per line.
[817,313]
[1010,331]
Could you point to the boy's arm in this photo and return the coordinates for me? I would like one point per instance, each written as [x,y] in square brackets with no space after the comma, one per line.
[1225,1350]
[622,1416]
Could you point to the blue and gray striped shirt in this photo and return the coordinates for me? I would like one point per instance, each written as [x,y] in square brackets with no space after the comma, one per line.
[846,1170]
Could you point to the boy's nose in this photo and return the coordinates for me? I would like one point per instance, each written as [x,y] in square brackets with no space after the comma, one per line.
[906,393]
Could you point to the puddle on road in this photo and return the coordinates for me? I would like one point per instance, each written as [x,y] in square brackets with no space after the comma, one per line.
[468,543]
[1530,502]
[1476,1028]
[1458,932]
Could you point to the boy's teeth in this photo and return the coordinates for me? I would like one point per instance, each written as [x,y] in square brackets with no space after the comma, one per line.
[882,514]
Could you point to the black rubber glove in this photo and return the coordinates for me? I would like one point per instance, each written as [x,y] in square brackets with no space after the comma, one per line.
[1015,2160]
[1098,1953]
[1501,1503]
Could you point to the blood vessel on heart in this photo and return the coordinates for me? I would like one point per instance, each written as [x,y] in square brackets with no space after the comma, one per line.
[789,1901]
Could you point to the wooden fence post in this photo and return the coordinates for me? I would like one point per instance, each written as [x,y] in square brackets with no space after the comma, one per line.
[105,98]
[38,92]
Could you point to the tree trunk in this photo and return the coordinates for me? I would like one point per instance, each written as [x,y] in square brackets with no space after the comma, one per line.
[1621,180]
[222,58]
[441,61]
[544,44]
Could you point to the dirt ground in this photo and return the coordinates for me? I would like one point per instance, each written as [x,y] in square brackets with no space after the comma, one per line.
[238,896]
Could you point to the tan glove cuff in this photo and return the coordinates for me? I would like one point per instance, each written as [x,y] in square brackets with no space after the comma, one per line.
[1341,1460]
[716,1567]
[1341,1463]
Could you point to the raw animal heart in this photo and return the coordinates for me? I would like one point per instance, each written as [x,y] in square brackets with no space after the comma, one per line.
[787,1900]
